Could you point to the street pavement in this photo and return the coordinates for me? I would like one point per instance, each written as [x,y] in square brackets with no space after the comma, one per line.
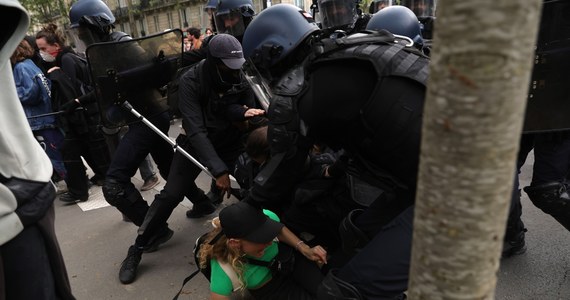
[94,240]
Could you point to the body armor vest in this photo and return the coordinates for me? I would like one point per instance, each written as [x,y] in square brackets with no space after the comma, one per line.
[384,135]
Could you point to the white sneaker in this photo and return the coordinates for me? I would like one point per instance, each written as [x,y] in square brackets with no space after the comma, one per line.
[60,187]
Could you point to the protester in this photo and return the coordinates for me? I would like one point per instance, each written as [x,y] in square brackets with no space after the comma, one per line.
[241,252]
[31,264]
[34,91]
[83,139]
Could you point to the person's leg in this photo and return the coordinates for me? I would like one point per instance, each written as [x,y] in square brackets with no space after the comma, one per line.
[549,189]
[118,189]
[551,158]
[76,178]
[27,270]
[180,182]
[514,240]
[146,168]
[154,230]
[53,140]
[97,156]
[381,269]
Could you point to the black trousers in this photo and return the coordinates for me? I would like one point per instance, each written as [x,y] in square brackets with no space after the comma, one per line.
[301,284]
[551,164]
[137,143]
[93,148]
[180,183]
[381,269]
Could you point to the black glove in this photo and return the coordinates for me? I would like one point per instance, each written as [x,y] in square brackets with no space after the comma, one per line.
[70,106]
[339,167]
[33,198]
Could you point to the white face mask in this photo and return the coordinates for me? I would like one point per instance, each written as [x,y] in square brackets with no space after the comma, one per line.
[47,57]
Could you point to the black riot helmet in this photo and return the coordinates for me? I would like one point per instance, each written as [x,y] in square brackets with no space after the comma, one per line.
[266,43]
[91,22]
[233,16]
[398,20]
[338,14]
[422,8]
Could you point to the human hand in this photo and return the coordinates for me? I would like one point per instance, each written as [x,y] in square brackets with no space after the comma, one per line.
[317,254]
[252,112]
[70,106]
[223,184]
[52,69]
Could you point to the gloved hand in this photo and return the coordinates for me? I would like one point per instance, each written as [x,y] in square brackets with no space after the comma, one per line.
[70,106]
[33,198]
[339,167]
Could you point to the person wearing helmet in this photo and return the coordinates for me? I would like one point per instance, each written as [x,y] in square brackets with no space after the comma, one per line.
[210,9]
[398,20]
[377,5]
[92,22]
[363,93]
[425,10]
[338,18]
[233,17]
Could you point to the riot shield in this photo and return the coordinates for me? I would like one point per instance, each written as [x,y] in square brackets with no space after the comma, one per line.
[134,70]
[548,107]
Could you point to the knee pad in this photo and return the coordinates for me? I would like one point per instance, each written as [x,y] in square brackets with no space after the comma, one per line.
[114,192]
[334,288]
[352,238]
[553,199]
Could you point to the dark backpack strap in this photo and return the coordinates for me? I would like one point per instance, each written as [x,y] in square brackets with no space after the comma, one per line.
[184,282]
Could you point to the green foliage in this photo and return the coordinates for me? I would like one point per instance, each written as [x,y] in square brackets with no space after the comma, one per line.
[45,11]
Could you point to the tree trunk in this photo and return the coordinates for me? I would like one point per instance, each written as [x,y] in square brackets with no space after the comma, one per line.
[477,91]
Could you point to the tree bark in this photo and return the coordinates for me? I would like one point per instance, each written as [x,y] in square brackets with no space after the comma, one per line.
[477,91]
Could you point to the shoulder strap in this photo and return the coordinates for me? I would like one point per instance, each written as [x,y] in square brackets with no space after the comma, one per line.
[231,274]
[184,282]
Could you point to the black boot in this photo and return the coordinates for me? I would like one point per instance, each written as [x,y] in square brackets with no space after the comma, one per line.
[352,238]
[128,272]
[514,244]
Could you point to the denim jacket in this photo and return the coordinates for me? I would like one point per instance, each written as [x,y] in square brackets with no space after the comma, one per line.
[34,92]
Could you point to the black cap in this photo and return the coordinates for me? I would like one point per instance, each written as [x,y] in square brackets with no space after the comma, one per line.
[228,49]
[244,221]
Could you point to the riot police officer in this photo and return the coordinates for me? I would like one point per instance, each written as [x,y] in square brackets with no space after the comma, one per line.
[377,5]
[233,17]
[340,17]
[364,93]
[92,22]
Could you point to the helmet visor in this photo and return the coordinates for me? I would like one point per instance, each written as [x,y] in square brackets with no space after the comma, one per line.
[82,38]
[231,22]
[337,13]
[422,8]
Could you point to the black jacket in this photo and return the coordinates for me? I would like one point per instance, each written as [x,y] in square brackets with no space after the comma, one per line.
[210,118]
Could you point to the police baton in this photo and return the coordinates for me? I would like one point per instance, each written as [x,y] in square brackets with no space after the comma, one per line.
[47,115]
[165,137]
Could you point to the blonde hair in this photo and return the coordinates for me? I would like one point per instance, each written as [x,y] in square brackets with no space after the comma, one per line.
[222,252]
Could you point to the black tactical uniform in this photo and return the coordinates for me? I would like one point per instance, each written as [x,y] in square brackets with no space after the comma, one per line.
[363,93]
[210,109]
